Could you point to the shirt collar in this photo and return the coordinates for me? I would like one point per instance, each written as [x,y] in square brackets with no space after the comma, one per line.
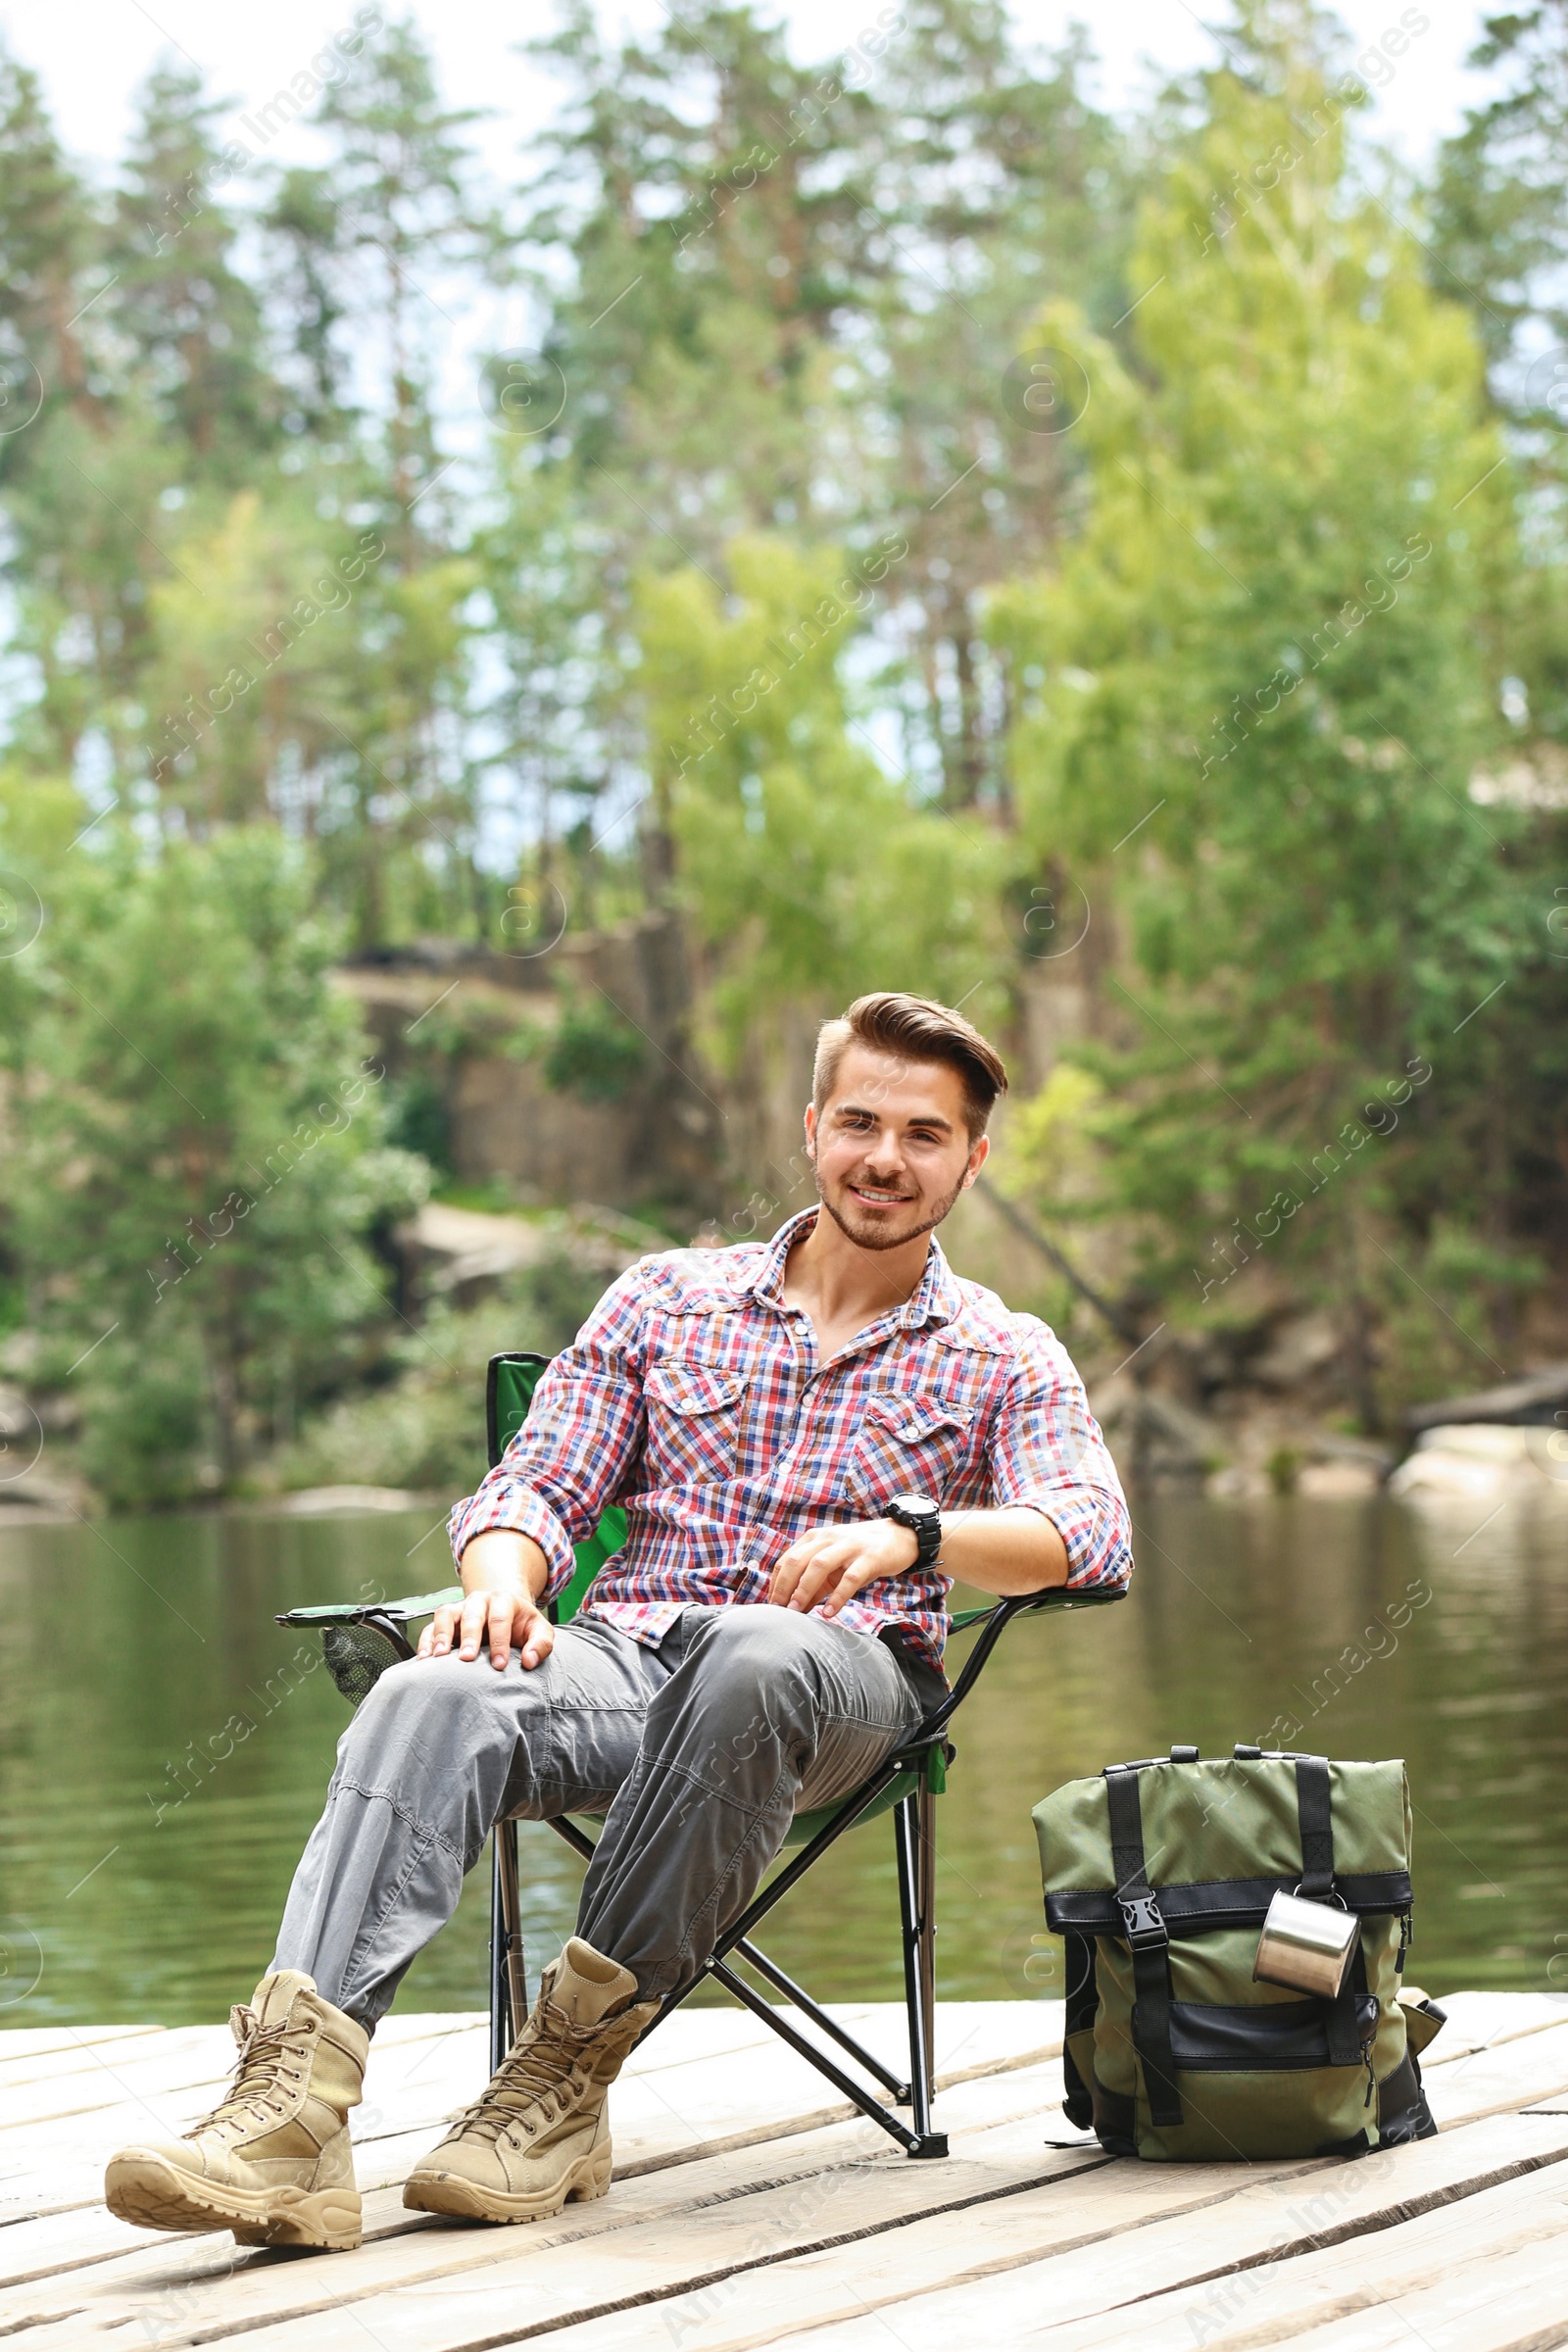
[937,1298]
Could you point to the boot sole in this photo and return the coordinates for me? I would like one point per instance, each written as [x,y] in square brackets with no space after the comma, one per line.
[465,2202]
[151,2193]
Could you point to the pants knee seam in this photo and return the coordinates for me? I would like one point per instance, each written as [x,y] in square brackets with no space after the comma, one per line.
[426,1830]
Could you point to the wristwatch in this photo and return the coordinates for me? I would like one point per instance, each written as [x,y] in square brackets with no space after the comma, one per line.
[919,1514]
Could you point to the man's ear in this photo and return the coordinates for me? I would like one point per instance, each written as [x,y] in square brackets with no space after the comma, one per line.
[977,1161]
[811,1133]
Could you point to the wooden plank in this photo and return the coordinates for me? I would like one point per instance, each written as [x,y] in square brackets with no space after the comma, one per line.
[190,2056]
[21,2045]
[700,2105]
[221,2292]
[679,2248]
[181,2078]
[415,2079]
[1477,2021]
[1432,2255]
[96,2238]
[87,2078]
[48,2054]
[556,2284]
[1505,2074]
[1426,2231]
[414,2084]
[1516,2301]
[1122,2235]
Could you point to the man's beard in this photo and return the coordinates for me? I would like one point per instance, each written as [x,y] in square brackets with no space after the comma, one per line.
[886,1241]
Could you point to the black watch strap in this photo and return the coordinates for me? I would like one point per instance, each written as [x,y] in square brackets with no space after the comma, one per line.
[920,1515]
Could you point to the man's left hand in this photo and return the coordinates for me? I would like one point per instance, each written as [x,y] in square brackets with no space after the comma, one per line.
[824,1570]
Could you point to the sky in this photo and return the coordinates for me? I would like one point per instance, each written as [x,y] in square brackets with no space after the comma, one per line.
[92,54]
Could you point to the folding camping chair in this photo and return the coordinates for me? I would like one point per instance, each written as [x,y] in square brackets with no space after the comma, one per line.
[361,1643]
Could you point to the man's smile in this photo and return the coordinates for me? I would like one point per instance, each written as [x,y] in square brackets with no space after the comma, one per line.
[876,1196]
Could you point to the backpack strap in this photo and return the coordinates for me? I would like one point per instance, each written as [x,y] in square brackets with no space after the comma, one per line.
[1148,1940]
[1316,1818]
[1317,1828]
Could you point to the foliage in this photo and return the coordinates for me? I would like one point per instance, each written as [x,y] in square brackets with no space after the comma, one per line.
[426,1430]
[1267,653]
[808,870]
[197,1167]
[926,498]
[593,1053]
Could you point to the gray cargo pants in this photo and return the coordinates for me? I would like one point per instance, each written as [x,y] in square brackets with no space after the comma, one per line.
[697,1752]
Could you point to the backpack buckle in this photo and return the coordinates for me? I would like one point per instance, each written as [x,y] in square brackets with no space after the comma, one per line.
[1143,1921]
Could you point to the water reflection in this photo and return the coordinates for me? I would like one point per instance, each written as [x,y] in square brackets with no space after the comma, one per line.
[164,1744]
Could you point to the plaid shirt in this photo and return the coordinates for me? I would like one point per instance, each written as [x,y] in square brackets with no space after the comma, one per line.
[693,1398]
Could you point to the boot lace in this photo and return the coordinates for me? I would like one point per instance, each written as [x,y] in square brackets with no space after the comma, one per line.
[255,2075]
[539,2070]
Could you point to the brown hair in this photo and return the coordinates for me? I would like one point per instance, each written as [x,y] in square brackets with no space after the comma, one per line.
[921,1030]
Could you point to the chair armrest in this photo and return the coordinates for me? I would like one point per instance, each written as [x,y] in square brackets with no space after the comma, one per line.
[994,1622]
[413,1604]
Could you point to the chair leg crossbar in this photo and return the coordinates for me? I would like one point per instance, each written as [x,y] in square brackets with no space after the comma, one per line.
[915,1837]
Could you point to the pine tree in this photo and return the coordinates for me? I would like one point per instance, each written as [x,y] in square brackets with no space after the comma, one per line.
[193,323]
[1267,656]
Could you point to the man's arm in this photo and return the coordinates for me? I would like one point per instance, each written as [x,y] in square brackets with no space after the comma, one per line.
[514,1538]
[1004,1551]
[503,1578]
[1058,1517]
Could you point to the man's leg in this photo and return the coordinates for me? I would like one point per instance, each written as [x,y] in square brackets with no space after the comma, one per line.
[768,1710]
[755,1710]
[437,1752]
[438,1749]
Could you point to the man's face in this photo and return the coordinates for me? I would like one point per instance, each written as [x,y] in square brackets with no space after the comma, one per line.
[891,1149]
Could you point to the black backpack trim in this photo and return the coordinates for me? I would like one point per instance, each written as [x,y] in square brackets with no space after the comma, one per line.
[1224,1903]
[1083,1999]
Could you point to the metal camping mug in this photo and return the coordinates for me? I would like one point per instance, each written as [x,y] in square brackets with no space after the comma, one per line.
[1305,1946]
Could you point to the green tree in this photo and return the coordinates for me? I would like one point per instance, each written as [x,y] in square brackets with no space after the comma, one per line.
[1269,654]
[795,296]
[194,324]
[1500,204]
[812,874]
[366,238]
[48,235]
[197,1167]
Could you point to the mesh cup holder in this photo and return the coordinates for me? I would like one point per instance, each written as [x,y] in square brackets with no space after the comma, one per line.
[357,1655]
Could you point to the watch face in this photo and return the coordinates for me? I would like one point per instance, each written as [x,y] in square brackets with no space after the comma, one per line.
[919,1506]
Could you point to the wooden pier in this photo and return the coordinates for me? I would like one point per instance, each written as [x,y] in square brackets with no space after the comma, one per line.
[746,2212]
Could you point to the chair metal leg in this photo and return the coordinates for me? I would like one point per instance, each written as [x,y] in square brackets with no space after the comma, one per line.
[770,1970]
[916,1895]
[508,1972]
[926,1885]
[872,2108]
[915,1837]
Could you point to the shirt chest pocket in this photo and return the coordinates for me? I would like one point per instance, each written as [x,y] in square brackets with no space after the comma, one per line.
[694,1417]
[908,1446]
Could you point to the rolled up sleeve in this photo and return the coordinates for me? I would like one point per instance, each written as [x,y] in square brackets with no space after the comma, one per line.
[1047,1452]
[572,1454]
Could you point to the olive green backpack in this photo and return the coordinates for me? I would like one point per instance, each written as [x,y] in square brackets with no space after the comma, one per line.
[1158,1875]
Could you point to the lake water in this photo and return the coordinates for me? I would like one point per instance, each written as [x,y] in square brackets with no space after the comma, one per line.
[139,1883]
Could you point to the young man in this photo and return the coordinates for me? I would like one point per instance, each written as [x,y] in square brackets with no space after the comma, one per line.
[811,1436]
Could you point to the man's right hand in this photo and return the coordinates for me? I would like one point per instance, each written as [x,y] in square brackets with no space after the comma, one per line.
[501,1574]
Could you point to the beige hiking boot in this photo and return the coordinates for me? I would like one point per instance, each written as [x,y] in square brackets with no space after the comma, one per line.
[539,2134]
[272,2161]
